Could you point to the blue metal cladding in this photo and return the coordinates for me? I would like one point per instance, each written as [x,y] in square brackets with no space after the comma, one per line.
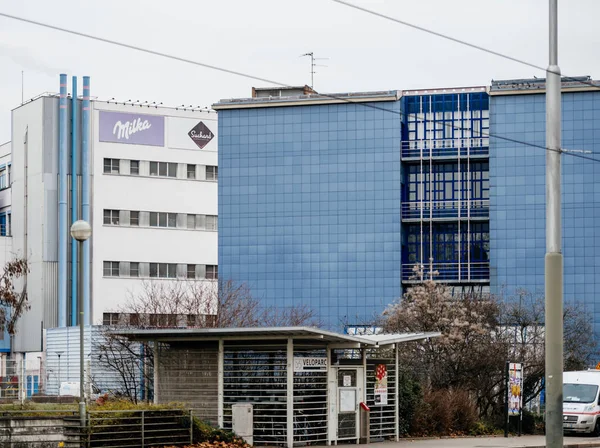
[309,207]
[63,167]
[74,202]
[517,197]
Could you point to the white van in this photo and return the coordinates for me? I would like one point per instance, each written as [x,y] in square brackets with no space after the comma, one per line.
[581,403]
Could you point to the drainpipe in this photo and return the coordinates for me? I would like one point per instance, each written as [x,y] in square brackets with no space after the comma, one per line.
[62,203]
[74,202]
[85,195]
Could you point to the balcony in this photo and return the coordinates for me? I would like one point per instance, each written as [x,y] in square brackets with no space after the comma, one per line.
[476,272]
[476,147]
[446,210]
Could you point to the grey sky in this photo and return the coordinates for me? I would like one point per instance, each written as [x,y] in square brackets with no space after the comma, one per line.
[266,37]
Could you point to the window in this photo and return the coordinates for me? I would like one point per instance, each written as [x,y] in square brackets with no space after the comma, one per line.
[134,319]
[212,172]
[111,217]
[110,318]
[134,269]
[163,320]
[134,218]
[212,272]
[111,268]
[111,166]
[134,167]
[211,222]
[191,221]
[163,169]
[3,179]
[191,171]
[192,319]
[191,271]
[163,219]
[163,270]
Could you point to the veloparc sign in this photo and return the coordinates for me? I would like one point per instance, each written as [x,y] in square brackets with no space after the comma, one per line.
[132,129]
[309,364]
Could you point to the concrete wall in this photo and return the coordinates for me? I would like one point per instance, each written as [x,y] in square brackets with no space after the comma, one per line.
[37,431]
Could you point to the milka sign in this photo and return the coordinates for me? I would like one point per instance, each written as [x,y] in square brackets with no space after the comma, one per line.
[134,129]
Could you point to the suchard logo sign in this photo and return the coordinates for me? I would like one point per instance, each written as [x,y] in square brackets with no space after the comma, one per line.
[134,129]
[201,135]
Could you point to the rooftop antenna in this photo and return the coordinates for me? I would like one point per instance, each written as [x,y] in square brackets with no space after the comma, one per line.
[312,66]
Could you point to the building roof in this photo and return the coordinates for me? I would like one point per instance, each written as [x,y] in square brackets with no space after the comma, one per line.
[305,100]
[232,334]
[538,85]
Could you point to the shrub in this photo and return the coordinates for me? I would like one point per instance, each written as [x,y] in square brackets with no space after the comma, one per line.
[410,396]
[445,412]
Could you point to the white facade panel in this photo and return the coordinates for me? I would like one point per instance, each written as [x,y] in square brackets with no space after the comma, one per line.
[34,165]
[127,191]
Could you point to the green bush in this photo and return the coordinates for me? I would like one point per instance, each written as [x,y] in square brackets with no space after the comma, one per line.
[410,396]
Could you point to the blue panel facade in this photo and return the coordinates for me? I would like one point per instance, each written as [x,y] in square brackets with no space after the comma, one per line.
[517,197]
[309,206]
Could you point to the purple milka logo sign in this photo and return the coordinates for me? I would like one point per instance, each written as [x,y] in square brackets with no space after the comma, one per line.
[133,129]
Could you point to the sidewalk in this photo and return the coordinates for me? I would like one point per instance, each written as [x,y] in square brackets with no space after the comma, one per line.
[489,442]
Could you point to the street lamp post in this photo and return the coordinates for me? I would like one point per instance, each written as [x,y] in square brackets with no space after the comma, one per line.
[81,231]
[59,378]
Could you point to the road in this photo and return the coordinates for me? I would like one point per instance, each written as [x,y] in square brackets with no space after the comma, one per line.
[489,442]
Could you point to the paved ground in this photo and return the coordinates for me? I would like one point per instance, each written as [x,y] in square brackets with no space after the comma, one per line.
[488,442]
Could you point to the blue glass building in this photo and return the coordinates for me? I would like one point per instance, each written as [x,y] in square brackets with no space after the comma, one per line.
[331,201]
[310,198]
[517,194]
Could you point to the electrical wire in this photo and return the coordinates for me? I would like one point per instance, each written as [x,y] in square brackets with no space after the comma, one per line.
[461,42]
[269,81]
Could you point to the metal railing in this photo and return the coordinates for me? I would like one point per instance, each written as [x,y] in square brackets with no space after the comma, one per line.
[464,271]
[475,146]
[140,428]
[477,208]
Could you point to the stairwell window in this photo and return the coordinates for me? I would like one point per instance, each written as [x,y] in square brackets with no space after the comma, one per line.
[111,166]
[212,172]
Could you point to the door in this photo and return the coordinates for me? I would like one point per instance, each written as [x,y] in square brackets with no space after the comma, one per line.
[349,395]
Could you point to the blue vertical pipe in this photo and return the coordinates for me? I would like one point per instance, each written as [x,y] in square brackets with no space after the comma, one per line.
[74,202]
[63,167]
[85,194]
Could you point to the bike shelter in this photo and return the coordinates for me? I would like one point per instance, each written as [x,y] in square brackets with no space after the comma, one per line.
[286,386]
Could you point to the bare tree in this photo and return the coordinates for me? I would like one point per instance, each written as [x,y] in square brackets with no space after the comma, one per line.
[183,304]
[12,301]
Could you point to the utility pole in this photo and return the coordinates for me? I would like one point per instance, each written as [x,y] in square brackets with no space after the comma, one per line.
[553,260]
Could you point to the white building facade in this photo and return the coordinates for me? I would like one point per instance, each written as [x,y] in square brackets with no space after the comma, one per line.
[152,181]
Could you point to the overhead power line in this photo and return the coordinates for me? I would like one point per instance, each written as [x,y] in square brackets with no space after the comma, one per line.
[461,42]
[268,81]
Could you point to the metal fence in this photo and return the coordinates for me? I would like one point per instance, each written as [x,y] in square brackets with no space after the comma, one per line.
[146,428]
